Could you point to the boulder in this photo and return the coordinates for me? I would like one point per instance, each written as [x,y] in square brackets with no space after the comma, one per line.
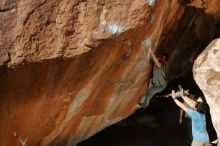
[70,68]
[206,72]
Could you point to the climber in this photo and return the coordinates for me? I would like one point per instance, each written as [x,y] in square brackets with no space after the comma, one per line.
[159,80]
[196,112]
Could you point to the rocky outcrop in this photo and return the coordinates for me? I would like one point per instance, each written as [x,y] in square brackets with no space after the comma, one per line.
[207,75]
[35,30]
[70,68]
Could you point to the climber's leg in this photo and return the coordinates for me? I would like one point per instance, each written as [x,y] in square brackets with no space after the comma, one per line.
[150,94]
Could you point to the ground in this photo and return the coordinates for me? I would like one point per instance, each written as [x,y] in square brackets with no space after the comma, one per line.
[156,126]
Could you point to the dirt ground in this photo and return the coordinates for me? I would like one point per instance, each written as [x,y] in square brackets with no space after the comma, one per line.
[157,126]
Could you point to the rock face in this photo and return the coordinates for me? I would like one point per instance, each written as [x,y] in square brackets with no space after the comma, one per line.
[207,75]
[35,30]
[70,68]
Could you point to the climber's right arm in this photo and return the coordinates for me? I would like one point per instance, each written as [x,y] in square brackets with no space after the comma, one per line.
[156,61]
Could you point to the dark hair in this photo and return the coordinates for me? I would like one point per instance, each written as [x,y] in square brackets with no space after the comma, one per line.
[200,107]
[166,56]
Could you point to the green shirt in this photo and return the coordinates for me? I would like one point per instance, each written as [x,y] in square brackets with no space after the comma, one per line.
[159,75]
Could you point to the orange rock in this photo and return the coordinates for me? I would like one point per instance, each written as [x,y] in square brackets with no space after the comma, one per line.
[71,68]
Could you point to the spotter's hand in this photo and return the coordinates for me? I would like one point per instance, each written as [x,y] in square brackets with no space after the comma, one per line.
[173,94]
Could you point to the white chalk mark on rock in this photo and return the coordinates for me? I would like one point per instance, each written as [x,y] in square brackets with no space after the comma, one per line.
[115,28]
[23,142]
[151,2]
[148,44]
